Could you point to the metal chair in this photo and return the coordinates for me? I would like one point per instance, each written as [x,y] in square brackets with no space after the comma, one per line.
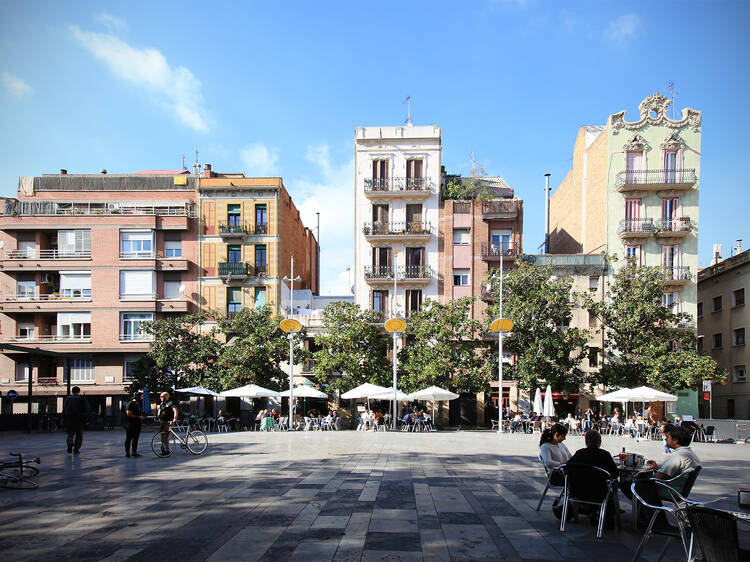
[589,485]
[710,433]
[682,483]
[715,530]
[550,474]
[283,424]
[681,528]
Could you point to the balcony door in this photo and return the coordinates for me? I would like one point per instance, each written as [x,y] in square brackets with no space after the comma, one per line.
[380,302]
[413,301]
[414,217]
[379,174]
[500,240]
[381,262]
[234,254]
[670,259]
[379,219]
[261,259]
[633,166]
[670,166]
[234,214]
[413,174]
[414,261]
[669,208]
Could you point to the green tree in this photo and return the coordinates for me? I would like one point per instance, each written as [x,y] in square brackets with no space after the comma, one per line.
[646,342]
[467,188]
[442,349]
[352,349]
[255,347]
[541,306]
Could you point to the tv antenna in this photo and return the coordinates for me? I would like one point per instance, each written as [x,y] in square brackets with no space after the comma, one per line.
[408,115]
[196,166]
[183,161]
[672,95]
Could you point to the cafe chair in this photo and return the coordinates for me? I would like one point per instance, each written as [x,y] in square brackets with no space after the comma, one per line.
[551,473]
[682,483]
[709,434]
[715,531]
[589,485]
[673,522]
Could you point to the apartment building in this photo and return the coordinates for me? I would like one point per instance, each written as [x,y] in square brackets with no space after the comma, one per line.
[250,231]
[723,320]
[397,201]
[84,261]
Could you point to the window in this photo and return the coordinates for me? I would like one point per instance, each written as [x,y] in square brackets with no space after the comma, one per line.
[633,165]
[413,301]
[670,259]
[25,289]
[738,336]
[260,297]
[234,216]
[132,324]
[74,243]
[380,301]
[593,284]
[22,372]
[25,331]
[716,304]
[700,310]
[234,254]
[461,236]
[234,301]
[460,277]
[500,240]
[172,283]
[261,219]
[81,370]
[74,325]
[413,169]
[128,370]
[75,284]
[136,244]
[632,210]
[137,285]
[381,262]
[379,169]
[671,301]
[592,320]
[415,262]
[380,219]
[700,344]
[260,259]
[716,341]
[739,374]
[670,166]
[172,248]
[414,217]
[593,356]
[738,297]
[634,253]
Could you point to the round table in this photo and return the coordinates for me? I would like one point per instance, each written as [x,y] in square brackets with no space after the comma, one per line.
[267,423]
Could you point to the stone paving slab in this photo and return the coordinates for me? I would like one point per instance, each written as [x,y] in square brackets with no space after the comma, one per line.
[344,496]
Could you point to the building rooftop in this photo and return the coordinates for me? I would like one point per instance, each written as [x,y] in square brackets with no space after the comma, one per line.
[581,264]
[724,265]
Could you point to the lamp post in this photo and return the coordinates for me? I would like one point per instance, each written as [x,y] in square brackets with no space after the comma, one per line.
[291,326]
[500,325]
[395,325]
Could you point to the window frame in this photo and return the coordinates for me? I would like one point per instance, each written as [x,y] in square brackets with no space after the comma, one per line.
[714,308]
[714,340]
[735,304]
[464,279]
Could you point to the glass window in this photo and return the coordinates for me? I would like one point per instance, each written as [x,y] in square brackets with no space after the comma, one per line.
[234,301]
[740,374]
[461,236]
[74,242]
[633,252]
[135,244]
[593,356]
[234,215]
[74,325]
[172,289]
[413,301]
[173,249]
[81,370]
[137,284]
[380,301]
[22,372]
[700,309]
[234,254]
[260,258]
[132,324]
[75,285]
[260,297]
[738,297]
[25,331]
[738,336]
[700,344]
[500,240]
[593,283]
[716,303]
[25,289]
[460,277]
[261,217]
[716,342]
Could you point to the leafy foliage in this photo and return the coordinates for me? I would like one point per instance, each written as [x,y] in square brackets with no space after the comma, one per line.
[442,349]
[467,188]
[645,340]
[352,350]
[541,307]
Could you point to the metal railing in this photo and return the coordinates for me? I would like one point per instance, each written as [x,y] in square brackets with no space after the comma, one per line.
[656,177]
[53,297]
[225,228]
[416,272]
[49,339]
[47,254]
[138,255]
[489,250]
[398,184]
[50,208]
[242,269]
[461,207]
[378,272]
[681,224]
[677,273]
[635,225]
[261,229]
[136,337]
[138,297]
[399,228]
[498,208]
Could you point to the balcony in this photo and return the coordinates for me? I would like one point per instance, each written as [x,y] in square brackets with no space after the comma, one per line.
[678,275]
[48,339]
[43,255]
[405,231]
[655,180]
[673,228]
[415,274]
[497,209]
[378,273]
[227,230]
[234,269]
[138,297]
[636,228]
[55,208]
[492,252]
[138,255]
[386,188]
[41,303]
[139,337]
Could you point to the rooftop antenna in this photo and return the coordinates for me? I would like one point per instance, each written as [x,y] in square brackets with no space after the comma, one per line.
[408,115]
[183,161]
[473,164]
[196,166]
[672,95]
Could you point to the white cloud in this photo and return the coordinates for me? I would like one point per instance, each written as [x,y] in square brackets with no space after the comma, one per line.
[260,160]
[174,88]
[623,28]
[15,86]
[112,23]
[331,193]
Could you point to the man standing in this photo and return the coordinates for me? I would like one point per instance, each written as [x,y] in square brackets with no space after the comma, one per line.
[134,417]
[296,411]
[167,416]
[76,411]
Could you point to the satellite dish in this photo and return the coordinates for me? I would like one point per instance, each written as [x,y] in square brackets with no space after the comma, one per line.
[181,288]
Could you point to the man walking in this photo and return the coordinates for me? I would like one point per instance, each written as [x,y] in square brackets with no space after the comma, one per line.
[76,411]
[167,415]
[133,417]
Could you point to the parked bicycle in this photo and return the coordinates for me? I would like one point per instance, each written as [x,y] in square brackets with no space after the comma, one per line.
[164,443]
[16,474]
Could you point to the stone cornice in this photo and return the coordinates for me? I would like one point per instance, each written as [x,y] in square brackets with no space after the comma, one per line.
[654,112]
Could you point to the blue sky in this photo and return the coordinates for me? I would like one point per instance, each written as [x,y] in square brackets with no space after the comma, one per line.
[278,88]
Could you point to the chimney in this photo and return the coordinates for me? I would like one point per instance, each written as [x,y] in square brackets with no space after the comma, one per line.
[103,171]
[546,213]
[63,171]
[207,173]
[717,254]
[738,249]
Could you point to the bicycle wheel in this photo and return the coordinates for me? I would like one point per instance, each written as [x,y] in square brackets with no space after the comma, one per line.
[15,480]
[163,444]
[196,442]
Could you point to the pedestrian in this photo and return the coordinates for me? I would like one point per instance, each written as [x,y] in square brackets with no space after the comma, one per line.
[167,413]
[296,411]
[134,417]
[76,412]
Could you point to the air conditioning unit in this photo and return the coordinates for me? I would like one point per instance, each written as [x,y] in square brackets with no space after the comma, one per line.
[47,277]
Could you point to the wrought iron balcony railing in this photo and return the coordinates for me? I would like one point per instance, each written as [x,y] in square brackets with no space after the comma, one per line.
[399,228]
[46,208]
[489,250]
[681,224]
[261,229]
[499,208]
[48,254]
[678,273]
[379,272]
[234,268]
[416,272]
[398,184]
[630,226]
[656,177]
[233,228]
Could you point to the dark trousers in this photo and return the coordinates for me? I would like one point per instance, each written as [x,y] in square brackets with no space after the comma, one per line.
[131,437]
[75,436]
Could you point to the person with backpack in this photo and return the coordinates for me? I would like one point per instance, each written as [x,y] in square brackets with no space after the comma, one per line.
[76,412]
[134,418]
[167,413]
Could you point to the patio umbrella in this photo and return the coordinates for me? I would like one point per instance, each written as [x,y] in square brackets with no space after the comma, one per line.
[304,391]
[198,391]
[363,391]
[146,404]
[538,407]
[641,394]
[549,407]
[387,394]
[435,394]
[251,391]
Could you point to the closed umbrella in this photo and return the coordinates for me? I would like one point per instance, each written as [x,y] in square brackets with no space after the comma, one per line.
[435,394]
[146,405]
[538,407]
[549,406]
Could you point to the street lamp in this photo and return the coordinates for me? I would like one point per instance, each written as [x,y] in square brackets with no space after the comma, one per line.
[291,326]
[395,325]
[500,325]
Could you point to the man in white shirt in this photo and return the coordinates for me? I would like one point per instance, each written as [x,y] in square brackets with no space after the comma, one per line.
[682,457]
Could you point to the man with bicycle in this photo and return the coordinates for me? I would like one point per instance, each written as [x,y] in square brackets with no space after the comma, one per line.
[167,413]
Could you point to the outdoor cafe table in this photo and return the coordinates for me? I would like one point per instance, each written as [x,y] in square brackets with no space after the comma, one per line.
[267,423]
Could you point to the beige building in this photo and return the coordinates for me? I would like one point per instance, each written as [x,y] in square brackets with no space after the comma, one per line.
[723,319]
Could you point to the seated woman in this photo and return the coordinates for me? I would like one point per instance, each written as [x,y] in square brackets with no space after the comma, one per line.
[551,447]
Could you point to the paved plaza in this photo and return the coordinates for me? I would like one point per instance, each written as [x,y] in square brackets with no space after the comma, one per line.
[317,496]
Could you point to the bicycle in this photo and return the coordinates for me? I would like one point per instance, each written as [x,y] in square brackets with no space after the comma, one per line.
[164,443]
[16,474]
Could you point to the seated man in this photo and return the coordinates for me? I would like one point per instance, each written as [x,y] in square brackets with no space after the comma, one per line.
[593,455]
[681,458]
